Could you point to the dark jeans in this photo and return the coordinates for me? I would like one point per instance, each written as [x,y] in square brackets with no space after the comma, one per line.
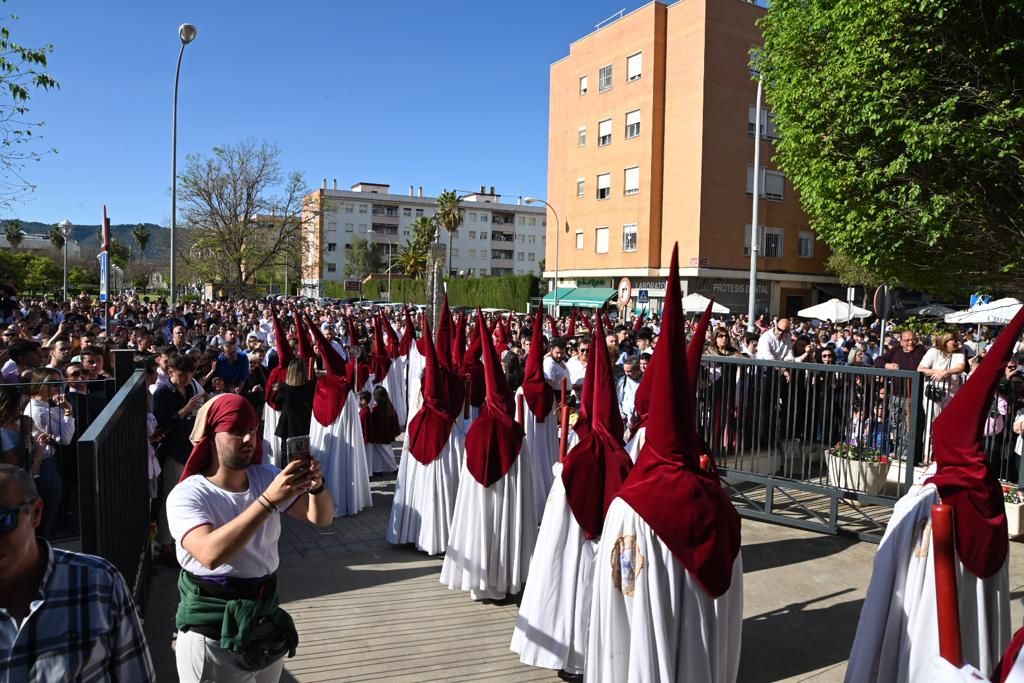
[51,491]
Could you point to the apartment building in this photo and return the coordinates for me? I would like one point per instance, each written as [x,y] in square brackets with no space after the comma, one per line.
[651,142]
[496,237]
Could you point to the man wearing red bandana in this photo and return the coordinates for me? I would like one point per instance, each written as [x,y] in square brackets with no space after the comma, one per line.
[224,517]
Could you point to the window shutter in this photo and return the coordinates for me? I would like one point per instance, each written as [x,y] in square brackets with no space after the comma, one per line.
[634,66]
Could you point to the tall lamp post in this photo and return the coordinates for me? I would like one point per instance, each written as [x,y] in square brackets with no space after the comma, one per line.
[755,231]
[534,200]
[65,229]
[187,33]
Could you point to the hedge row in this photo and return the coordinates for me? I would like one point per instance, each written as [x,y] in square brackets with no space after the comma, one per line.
[506,291]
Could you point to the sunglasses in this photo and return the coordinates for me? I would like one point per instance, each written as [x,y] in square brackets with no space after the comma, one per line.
[584,350]
[9,516]
[76,373]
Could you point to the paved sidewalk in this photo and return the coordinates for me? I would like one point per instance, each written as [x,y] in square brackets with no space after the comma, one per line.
[368,611]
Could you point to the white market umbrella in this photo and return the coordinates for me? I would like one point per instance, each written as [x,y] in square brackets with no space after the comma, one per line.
[834,310]
[998,312]
[695,303]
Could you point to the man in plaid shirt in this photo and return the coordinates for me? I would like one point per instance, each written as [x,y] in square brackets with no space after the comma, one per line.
[63,615]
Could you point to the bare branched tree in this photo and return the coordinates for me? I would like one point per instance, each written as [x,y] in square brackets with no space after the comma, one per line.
[242,213]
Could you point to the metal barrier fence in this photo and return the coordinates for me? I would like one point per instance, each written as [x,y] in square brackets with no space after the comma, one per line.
[773,428]
[113,470]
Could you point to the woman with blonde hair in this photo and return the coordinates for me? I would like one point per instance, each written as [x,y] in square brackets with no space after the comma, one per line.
[943,367]
[295,398]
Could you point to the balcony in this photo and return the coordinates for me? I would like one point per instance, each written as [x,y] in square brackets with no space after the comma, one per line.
[384,210]
[385,229]
[501,256]
[498,218]
[502,236]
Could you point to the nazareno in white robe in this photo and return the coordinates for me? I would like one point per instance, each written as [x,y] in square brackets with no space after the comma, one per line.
[650,619]
[425,496]
[635,443]
[394,382]
[413,399]
[342,454]
[897,634]
[272,449]
[493,533]
[554,615]
[543,440]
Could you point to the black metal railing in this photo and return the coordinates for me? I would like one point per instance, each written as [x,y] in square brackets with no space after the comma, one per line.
[114,475]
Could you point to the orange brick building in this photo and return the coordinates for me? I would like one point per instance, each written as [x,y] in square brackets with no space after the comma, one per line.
[651,142]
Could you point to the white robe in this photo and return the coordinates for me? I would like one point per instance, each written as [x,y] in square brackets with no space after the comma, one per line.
[394,382]
[650,619]
[493,533]
[543,440]
[635,443]
[272,450]
[425,496]
[897,635]
[380,457]
[342,455]
[554,615]
[415,363]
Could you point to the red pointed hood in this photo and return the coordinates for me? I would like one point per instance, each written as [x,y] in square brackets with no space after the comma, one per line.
[472,365]
[536,391]
[963,477]
[353,335]
[305,348]
[459,345]
[332,361]
[380,361]
[331,389]
[501,336]
[408,335]
[585,319]
[595,468]
[430,428]
[284,359]
[684,505]
[553,325]
[495,438]
[394,344]
[445,331]
[582,426]
[571,332]
[639,322]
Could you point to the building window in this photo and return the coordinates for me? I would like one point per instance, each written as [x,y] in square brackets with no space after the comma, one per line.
[483,253]
[581,136]
[472,272]
[768,131]
[634,66]
[419,212]
[406,211]
[362,208]
[632,180]
[579,239]
[332,267]
[522,220]
[773,184]
[332,246]
[632,123]
[332,226]
[362,227]
[629,237]
[601,240]
[533,220]
[580,186]
[349,227]
[347,245]
[583,85]
[532,256]
[483,235]
[805,246]
[771,240]
[472,217]
[484,218]
[533,239]
[472,234]
[604,79]
[455,252]
[604,186]
[472,253]
[483,272]
[604,133]
[520,256]
[349,208]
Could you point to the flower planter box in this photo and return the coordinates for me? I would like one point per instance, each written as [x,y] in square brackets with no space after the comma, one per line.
[856,475]
[1015,519]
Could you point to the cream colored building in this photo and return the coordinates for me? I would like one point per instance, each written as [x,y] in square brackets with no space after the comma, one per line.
[651,142]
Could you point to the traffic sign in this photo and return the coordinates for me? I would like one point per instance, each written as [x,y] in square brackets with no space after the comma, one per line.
[351,285]
[643,296]
[104,274]
[882,301]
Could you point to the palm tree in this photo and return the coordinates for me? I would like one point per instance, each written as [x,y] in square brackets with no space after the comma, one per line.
[449,217]
[141,234]
[56,237]
[13,233]
[412,259]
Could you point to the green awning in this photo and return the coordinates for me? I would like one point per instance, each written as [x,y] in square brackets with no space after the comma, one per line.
[549,298]
[587,297]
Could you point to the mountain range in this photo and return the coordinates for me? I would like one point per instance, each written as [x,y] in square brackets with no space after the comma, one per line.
[157,249]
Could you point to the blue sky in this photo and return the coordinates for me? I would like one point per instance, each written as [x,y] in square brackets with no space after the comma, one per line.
[438,94]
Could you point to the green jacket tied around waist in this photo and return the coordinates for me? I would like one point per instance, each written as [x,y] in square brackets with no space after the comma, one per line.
[235,618]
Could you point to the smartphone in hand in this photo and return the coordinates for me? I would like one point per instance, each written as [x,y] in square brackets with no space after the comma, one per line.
[297,448]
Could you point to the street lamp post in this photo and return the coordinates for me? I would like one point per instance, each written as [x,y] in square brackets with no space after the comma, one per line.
[558,225]
[65,229]
[187,33]
[755,232]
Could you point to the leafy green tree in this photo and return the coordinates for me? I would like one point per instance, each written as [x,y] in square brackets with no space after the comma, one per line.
[449,217]
[42,273]
[364,258]
[22,71]
[56,237]
[902,127]
[13,233]
[142,235]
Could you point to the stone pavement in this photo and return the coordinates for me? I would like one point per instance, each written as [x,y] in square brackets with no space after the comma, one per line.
[368,611]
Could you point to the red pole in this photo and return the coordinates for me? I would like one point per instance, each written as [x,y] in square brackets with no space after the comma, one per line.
[465,405]
[310,368]
[519,409]
[947,603]
[705,462]
[564,443]
[565,383]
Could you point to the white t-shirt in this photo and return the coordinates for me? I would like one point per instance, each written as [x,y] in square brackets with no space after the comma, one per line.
[577,371]
[195,502]
[554,372]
